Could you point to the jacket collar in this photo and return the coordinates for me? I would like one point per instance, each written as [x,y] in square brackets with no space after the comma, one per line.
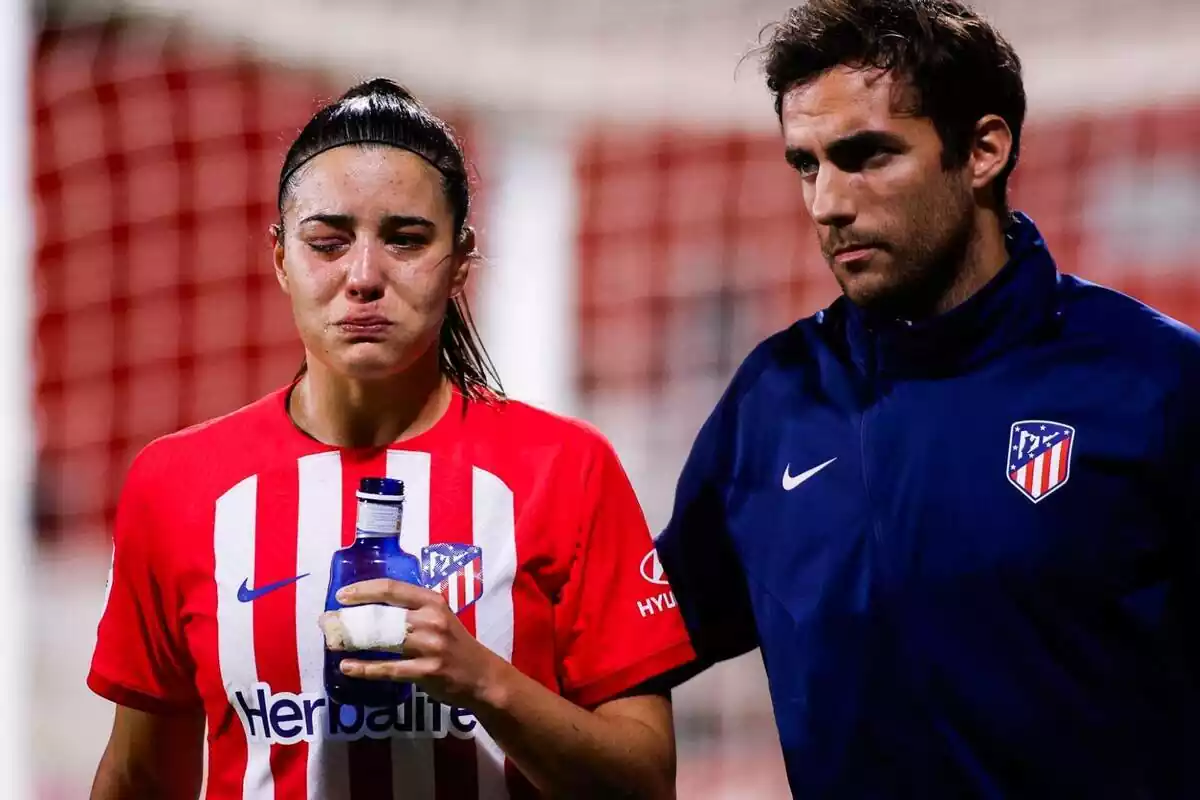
[1014,305]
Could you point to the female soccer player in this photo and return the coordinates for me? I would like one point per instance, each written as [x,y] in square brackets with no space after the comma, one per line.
[225,531]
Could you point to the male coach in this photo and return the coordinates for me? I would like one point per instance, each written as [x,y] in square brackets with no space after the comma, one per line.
[959,509]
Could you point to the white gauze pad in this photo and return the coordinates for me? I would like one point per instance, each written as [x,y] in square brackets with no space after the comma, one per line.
[369,627]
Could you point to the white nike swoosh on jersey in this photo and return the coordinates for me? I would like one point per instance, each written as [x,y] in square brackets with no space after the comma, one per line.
[791,482]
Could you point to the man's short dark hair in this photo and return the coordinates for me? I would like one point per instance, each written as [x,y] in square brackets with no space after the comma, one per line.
[958,67]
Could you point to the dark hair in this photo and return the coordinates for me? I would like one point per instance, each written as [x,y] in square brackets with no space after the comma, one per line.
[381,112]
[958,66]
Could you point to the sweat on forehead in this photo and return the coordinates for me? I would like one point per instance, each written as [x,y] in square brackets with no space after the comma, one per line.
[293,178]
[363,176]
[295,174]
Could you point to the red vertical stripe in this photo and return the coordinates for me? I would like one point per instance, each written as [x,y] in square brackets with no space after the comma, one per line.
[1030,470]
[275,613]
[370,760]
[1063,459]
[454,759]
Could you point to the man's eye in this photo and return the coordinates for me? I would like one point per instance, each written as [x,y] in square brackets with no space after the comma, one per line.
[878,158]
[806,167]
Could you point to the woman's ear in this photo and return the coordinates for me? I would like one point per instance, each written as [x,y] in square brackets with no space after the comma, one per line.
[465,256]
[275,232]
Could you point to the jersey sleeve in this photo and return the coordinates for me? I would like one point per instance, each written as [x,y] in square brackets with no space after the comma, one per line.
[139,660]
[697,552]
[1186,468]
[616,623]
[1182,475]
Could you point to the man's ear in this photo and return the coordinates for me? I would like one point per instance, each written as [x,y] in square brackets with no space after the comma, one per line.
[990,149]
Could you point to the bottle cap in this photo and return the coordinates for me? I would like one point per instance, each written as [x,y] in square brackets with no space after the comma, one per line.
[383,490]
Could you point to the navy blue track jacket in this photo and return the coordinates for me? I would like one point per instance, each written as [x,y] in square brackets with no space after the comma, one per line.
[969,548]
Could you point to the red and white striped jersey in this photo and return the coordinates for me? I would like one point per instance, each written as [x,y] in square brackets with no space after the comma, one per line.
[222,546]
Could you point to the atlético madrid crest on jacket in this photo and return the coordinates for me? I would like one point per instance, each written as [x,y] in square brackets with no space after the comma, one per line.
[1039,457]
[455,571]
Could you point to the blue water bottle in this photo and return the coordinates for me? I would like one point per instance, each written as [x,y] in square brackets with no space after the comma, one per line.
[375,553]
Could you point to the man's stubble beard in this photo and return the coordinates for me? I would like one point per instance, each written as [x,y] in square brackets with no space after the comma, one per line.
[928,268]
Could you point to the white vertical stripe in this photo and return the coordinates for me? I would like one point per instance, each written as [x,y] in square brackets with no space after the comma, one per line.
[319,534]
[233,547]
[1039,475]
[494,530]
[1055,463]
[412,759]
[469,582]
[1021,473]
[412,468]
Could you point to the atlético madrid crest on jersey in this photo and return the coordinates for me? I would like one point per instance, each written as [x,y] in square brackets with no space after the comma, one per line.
[455,571]
[1039,457]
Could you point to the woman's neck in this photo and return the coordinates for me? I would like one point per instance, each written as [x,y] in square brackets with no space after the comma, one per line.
[345,412]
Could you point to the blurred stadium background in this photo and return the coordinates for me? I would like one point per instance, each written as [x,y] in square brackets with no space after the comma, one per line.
[641,229]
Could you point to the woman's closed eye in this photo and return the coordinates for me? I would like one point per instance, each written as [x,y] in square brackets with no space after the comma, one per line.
[327,245]
[408,240]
